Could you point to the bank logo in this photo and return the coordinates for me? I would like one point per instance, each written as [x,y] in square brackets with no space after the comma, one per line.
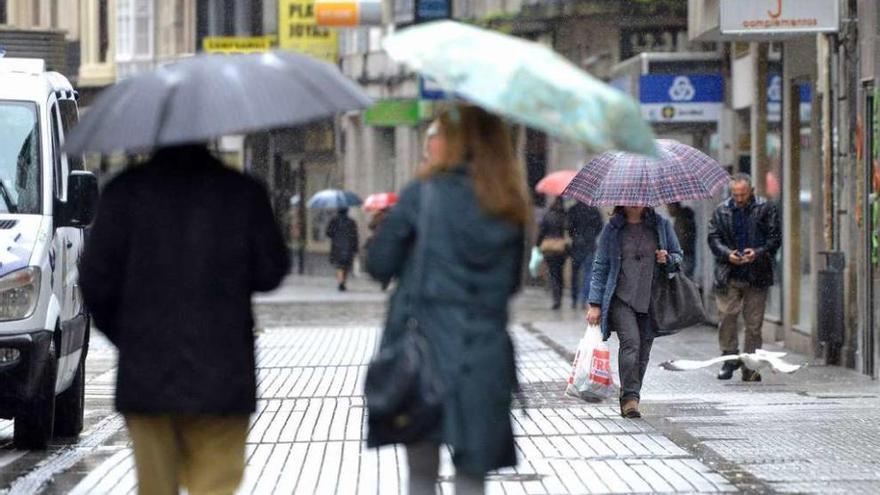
[774,89]
[682,89]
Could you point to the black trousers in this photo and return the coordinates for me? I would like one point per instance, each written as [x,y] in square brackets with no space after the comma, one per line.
[555,265]
[634,333]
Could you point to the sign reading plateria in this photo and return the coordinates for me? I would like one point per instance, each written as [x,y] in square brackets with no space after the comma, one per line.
[298,31]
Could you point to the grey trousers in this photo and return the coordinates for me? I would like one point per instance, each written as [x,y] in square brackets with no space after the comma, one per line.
[424,464]
[634,333]
[741,297]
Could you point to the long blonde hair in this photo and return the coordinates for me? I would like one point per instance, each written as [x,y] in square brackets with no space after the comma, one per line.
[483,141]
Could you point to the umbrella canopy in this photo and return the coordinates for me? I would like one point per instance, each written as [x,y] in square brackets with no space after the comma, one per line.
[553,184]
[380,201]
[334,199]
[682,173]
[207,96]
[524,81]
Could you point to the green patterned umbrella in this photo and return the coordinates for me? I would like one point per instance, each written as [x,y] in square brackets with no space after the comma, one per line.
[524,81]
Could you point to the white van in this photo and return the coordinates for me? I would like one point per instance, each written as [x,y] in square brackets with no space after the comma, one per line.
[46,201]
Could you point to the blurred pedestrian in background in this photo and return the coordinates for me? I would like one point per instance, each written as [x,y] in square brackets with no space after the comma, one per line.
[685,224]
[455,242]
[344,245]
[744,235]
[629,259]
[178,247]
[584,226]
[554,246]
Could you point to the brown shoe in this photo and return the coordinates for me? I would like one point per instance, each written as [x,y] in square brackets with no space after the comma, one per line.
[629,408]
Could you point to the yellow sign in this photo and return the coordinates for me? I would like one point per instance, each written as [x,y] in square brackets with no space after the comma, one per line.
[298,30]
[231,44]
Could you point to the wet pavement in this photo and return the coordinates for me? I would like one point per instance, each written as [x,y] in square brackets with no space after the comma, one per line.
[812,432]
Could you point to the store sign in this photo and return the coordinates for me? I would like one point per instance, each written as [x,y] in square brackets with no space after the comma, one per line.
[393,113]
[774,100]
[232,44]
[298,31]
[681,98]
[416,11]
[352,13]
[779,16]
[430,90]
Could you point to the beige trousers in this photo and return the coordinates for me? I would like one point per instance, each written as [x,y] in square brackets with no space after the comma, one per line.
[203,453]
[740,298]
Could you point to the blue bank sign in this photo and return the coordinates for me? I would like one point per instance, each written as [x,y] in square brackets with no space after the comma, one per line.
[681,98]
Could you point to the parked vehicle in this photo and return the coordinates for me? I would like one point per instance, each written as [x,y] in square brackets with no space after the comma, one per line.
[46,201]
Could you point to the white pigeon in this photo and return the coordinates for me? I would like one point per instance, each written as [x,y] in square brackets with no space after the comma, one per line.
[758,360]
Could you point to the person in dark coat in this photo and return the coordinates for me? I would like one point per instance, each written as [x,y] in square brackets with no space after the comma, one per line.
[178,247]
[457,269]
[344,244]
[584,226]
[552,243]
[685,224]
[744,235]
[636,247]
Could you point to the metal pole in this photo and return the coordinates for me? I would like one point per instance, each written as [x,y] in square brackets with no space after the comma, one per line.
[303,227]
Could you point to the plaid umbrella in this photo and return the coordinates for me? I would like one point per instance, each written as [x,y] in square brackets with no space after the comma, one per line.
[616,178]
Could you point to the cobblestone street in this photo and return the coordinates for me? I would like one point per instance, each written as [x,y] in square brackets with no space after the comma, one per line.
[812,432]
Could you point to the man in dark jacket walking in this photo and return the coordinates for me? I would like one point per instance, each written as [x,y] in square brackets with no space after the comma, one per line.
[178,247]
[584,226]
[744,235]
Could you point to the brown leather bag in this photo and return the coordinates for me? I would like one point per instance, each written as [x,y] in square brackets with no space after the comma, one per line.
[553,246]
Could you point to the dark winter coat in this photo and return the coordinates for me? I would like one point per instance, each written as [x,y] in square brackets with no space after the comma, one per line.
[178,247]
[472,267]
[584,226]
[343,234]
[764,235]
[606,266]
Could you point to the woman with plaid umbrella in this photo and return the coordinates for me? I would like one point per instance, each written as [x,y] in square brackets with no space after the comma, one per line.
[637,245]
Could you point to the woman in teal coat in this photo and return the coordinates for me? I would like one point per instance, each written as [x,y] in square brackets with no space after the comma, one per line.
[456,289]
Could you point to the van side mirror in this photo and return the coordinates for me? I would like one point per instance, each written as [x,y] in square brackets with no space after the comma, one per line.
[82,199]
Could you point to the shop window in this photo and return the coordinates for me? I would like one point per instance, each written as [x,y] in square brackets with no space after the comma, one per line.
[2,11]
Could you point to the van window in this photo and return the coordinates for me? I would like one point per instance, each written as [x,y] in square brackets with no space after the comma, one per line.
[19,158]
[56,152]
[69,118]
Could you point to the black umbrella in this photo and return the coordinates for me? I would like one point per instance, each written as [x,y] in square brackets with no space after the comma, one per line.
[207,96]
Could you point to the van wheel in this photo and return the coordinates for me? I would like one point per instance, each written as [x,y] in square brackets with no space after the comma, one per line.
[70,404]
[35,422]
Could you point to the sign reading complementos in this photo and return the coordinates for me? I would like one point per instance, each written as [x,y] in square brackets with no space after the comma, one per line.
[681,98]
[779,16]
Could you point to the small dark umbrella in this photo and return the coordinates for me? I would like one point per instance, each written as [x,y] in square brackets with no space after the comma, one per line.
[207,96]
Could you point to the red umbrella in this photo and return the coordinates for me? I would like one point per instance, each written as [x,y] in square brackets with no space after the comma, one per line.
[379,201]
[553,184]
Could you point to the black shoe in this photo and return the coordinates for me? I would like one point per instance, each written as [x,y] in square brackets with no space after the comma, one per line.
[574,305]
[557,305]
[342,288]
[728,368]
[750,375]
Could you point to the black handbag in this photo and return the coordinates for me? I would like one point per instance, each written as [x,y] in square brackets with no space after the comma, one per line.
[675,301]
[404,392]
[676,304]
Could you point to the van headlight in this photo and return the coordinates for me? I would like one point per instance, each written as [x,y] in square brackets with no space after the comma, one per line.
[19,292]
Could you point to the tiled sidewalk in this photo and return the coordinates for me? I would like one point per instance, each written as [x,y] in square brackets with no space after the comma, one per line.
[307,435]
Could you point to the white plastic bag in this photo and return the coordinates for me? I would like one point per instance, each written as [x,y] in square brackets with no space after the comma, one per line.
[535,261]
[594,370]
